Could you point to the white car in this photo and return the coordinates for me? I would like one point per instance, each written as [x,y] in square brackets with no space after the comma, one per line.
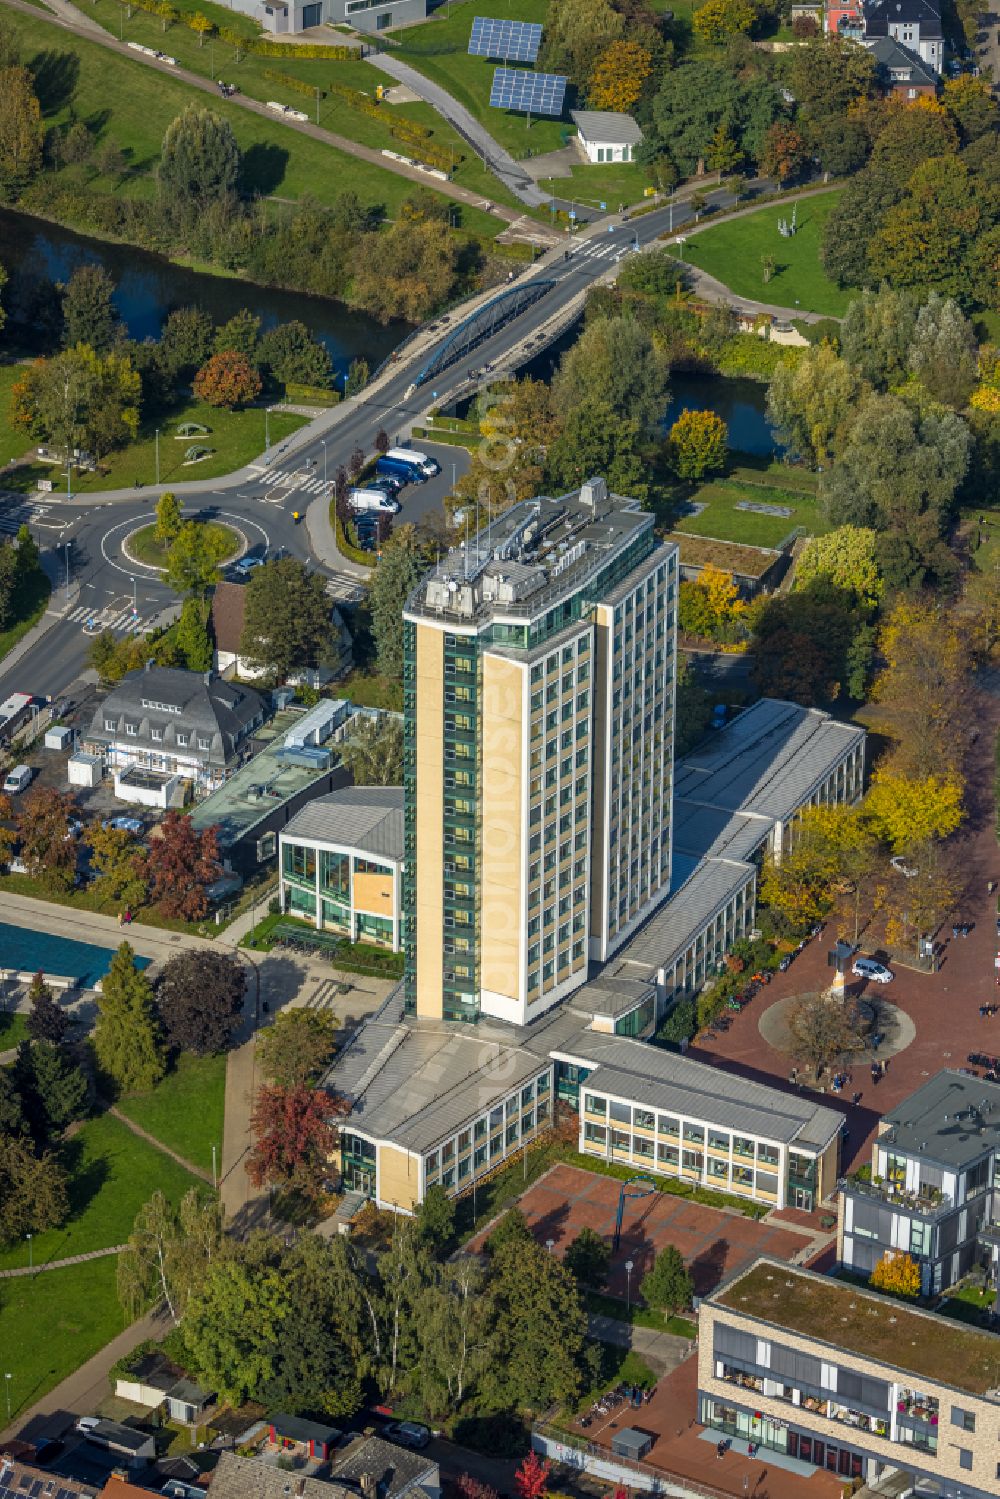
[868,968]
[87,1423]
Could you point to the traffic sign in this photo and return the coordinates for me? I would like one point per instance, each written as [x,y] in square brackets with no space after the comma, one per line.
[604,208]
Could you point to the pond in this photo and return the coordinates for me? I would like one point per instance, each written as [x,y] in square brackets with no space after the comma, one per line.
[740,403]
[149,288]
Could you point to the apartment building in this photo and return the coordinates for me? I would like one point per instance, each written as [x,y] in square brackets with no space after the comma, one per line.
[850,1382]
[933,1188]
[539,676]
[914,24]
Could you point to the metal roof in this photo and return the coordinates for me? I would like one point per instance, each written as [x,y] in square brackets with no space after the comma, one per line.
[666,1080]
[950,1120]
[606,127]
[672,929]
[367,818]
[767,761]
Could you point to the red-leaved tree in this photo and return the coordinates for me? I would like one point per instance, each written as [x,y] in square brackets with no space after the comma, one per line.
[47,846]
[227,379]
[532,1478]
[467,1487]
[295,1136]
[181,864]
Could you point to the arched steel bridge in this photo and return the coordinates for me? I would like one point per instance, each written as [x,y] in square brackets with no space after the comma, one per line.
[481,325]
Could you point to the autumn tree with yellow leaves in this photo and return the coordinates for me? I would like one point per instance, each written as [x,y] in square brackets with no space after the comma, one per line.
[711,606]
[896,1274]
[619,75]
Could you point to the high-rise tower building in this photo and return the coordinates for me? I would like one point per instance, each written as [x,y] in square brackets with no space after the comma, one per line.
[539,680]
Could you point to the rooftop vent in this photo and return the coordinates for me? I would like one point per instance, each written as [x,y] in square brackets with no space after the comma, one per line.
[594,493]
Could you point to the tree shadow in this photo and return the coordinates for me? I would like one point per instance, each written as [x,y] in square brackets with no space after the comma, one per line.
[56,75]
[708,1268]
[262,169]
[551,1225]
[85,1178]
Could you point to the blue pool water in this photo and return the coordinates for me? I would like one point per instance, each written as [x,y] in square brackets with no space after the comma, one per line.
[30,952]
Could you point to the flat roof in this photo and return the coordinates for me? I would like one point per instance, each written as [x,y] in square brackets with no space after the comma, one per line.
[253,791]
[367,818]
[766,761]
[950,1120]
[532,557]
[735,557]
[858,1321]
[670,931]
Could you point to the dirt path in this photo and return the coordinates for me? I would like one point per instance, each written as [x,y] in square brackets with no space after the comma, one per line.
[206,1176]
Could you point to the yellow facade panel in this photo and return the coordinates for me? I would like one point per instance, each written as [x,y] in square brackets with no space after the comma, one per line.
[430,819]
[504,875]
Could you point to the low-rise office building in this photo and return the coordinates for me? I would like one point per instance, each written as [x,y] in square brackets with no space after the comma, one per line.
[301,15]
[850,1382]
[433,1105]
[341,863]
[933,1188]
[605,135]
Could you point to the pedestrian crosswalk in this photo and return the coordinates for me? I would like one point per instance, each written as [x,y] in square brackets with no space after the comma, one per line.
[289,479]
[14,516]
[344,589]
[118,621]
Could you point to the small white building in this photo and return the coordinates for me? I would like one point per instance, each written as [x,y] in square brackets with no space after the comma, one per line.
[604,135]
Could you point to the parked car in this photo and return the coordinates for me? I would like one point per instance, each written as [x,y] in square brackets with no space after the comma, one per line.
[87,1423]
[124,824]
[870,968]
[246,565]
[407,1433]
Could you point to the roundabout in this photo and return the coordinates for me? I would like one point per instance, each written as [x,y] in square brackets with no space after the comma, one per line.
[140,547]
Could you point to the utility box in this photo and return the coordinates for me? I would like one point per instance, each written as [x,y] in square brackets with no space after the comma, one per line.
[85,770]
[58,738]
[632,1443]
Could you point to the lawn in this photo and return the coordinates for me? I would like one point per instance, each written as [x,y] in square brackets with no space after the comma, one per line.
[731,252]
[13,1030]
[611,183]
[720,519]
[144,546]
[638,1316]
[439,49]
[51,1324]
[132,104]
[235,438]
[217,59]
[186,1109]
[112,1173]
[12,444]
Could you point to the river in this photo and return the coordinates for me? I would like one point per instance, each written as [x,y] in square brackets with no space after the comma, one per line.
[150,287]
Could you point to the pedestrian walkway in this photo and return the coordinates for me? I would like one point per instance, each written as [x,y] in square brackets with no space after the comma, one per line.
[663,1351]
[287,478]
[143,1134]
[118,621]
[90,926]
[74,1259]
[494,156]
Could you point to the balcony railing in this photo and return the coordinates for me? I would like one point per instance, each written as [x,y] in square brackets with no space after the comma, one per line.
[929,1202]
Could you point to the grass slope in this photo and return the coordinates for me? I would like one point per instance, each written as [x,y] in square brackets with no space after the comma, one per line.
[29,606]
[731,252]
[132,104]
[216,59]
[186,1109]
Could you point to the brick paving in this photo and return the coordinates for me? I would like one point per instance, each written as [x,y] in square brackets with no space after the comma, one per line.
[943,1006]
[681,1451]
[715,1244]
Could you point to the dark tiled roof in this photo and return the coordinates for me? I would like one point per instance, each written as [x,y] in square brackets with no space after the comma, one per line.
[229,606]
[881,14]
[169,699]
[395,1468]
[892,57]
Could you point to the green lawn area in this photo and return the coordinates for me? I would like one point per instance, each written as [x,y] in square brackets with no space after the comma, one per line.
[144,546]
[132,104]
[611,183]
[186,1109]
[722,520]
[13,1030]
[51,1324]
[12,444]
[439,49]
[731,252]
[112,1173]
[235,437]
[638,1316]
[217,59]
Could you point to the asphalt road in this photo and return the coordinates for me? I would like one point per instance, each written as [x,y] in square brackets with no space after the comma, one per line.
[260,501]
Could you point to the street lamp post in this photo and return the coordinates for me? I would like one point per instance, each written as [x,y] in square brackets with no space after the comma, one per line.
[135,600]
[323,445]
[6,1379]
[31,1253]
[628,1284]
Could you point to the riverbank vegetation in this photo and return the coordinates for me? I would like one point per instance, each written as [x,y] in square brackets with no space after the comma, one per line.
[287,210]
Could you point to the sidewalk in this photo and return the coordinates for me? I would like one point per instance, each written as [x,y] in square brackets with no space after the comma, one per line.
[89,926]
[74,1259]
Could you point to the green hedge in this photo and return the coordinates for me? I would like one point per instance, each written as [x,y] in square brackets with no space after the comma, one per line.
[315,394]
[353,554]
[298,85]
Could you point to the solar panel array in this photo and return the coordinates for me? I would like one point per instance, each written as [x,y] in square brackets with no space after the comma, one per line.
[513,41]
[534,93]
[30,1487]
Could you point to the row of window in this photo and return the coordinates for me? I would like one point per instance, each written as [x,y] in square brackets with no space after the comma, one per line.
[156,734]
[558,659]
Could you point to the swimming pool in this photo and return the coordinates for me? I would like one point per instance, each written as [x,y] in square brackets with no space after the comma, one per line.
[29,952]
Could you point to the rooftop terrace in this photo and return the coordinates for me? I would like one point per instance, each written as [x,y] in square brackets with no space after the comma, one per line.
[870,1326]
[532,557]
